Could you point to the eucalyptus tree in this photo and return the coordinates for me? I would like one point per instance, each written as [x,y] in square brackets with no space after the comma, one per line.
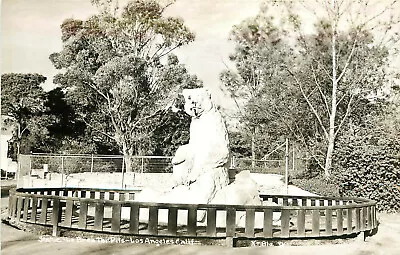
[116,70]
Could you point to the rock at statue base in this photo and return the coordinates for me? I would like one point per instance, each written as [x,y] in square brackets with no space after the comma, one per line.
[198,192]
[243,191]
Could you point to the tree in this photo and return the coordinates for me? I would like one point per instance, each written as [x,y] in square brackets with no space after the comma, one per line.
[256,81]
[329,69]
[172,127]
[347,61]
[23,99]
[69,134]
[116,71]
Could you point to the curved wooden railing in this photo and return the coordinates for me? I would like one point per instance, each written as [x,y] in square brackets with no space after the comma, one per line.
[100,210]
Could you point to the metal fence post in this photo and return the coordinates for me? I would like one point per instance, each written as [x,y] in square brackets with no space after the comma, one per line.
[287,165]
[62,172]
[294,161]
[30,164]
[122,181]
[92,164]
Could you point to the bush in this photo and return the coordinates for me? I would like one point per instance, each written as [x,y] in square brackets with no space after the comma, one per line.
[367,164]
[317,185]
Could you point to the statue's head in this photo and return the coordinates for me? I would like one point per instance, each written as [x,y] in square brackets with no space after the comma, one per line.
[197,101]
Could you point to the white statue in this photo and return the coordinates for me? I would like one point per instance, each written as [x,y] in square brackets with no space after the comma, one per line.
[199,167]
[202,162]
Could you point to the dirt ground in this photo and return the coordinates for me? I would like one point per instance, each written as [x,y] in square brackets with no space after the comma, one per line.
[15,241]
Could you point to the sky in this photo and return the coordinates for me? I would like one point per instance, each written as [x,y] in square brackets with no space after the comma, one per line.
[30,32]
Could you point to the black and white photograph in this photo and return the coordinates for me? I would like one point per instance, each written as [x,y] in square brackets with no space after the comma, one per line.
[200,127]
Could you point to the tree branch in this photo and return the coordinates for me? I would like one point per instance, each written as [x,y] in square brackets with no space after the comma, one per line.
[145,118]
[303,140]
[347,63]
[346,115]
[379,14]
[98,130]
[320,90]
[309,103]
[96,89]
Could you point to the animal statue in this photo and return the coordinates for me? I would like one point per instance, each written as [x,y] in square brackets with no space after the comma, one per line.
[203,161]
[199,167]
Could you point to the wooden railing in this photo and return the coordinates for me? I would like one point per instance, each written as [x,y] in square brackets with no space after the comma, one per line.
[101,210]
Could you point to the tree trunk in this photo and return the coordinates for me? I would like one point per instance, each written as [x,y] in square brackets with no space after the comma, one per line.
[331,135]
[332,117]
[329,154]
[128,162]
[127,158]
[18,147]
[19,135]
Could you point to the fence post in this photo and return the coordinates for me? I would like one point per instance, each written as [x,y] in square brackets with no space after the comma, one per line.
[18,173]
[56,217]
[142,164]
[91,166]
[123,163]
[294,161]
[287,165]
[62,172]
[30,164]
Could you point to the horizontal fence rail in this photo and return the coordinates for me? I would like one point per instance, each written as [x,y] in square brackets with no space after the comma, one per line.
[117,212]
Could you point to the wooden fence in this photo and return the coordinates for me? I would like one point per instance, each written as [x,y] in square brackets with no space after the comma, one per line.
[100,210]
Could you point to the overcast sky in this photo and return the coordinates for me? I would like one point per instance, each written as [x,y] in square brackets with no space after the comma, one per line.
[30,32]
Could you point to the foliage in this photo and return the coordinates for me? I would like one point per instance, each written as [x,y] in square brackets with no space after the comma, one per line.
[346,60]
[317,185]
[67,134]
[364,75]
[239,144]
[172,127]
[367,162]
[23,99]
[256,82]
[308,85]
[116,75]
[172,132]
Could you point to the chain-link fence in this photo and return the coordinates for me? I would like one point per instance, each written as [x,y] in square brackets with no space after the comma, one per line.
[63,170]
[296,167]
[272,166]
[69,169]
[68,164]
